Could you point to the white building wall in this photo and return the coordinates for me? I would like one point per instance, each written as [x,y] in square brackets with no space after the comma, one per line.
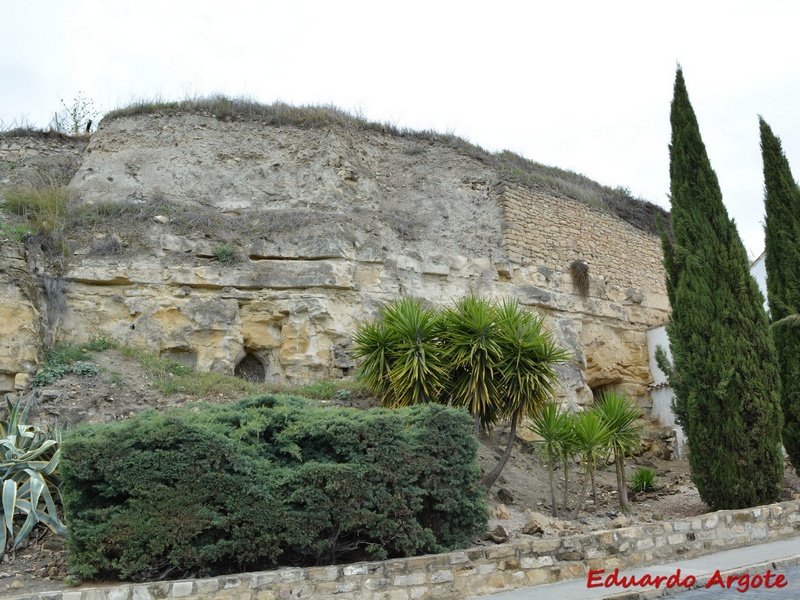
[759,272]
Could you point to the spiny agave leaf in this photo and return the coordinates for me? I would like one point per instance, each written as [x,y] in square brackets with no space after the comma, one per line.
[9,502]
[23,506]
[45,467]
[52,523]
[3,537]
[26,528]
[36,452]
[36,485]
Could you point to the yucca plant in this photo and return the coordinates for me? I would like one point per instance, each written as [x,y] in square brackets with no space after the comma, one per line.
[496,360]
[620,415]
[474,354]
[29,459]
[556,428]
[402,354]
[592,439]
[527,370]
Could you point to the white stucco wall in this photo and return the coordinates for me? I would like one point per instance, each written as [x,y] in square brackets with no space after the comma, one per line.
[759,272]
[661,396]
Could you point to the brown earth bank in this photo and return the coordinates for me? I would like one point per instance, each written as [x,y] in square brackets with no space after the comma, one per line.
[519,502]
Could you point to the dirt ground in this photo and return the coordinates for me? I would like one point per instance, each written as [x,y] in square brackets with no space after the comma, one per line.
[519,501]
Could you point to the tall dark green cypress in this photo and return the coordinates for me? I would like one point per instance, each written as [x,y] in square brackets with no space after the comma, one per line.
[725,377]
[782,201]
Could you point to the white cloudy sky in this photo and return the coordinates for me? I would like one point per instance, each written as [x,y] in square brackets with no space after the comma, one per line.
[584,86]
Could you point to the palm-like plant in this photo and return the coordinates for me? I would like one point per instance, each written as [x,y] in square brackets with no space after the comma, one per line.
[620,415]
[556,428]
[497,361]
[470,330]
[592,438]
[527,370]
[403,361]
[29,459]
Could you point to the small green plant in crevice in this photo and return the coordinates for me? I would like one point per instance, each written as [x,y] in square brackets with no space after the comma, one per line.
[98,344]
[63,360]
[643,480]
[225,253]
[29,470]
[44,211]
[13,232]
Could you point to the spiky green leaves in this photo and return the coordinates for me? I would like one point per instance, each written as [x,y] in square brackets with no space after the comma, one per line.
[29,460]
[402,354]
[494,359]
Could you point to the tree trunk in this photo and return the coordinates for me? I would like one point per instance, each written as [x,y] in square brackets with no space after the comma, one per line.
[566,485]
[593,472]
[554,503]
[622,485]
[582,494]
[477,425]
[489,479]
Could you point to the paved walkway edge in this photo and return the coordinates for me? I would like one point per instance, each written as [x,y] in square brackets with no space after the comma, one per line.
[702,580]
[738,561]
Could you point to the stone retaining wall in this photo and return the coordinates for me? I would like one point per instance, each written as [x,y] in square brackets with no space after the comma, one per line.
[482,570]
[39,158]
[540,228]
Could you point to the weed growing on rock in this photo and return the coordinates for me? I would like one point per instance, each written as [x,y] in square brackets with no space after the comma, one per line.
[226,253]
[63,360]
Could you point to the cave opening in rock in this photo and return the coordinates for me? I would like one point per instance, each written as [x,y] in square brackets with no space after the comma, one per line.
[598,390]
[251,368]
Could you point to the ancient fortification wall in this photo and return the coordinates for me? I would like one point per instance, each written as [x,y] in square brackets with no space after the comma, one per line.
[326,224]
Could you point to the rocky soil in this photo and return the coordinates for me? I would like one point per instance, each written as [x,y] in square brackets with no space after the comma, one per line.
[519,502]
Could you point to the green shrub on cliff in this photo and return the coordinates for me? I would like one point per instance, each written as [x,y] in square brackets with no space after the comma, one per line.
[267,481]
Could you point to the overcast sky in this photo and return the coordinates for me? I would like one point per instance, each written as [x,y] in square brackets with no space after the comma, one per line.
[584,86]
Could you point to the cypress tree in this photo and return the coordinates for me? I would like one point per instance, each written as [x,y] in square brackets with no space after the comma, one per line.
[782,201]
[725,377]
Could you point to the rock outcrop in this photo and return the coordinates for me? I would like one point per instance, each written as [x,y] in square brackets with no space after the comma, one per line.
[257,249]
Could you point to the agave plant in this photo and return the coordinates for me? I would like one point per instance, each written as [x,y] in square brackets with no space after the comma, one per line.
[29,458]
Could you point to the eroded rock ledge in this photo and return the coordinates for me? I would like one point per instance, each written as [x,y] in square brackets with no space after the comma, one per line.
[319,227]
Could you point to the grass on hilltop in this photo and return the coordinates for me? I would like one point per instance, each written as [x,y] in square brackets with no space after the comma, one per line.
[512,167]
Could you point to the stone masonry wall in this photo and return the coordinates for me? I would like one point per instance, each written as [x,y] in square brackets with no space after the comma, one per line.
[542,235]
[482,570]
[543,229]
[38,158]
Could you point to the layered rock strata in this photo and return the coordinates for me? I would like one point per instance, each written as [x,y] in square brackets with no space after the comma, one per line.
[250,248]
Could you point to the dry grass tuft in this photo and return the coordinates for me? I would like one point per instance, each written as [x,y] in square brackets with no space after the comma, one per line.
[579,271]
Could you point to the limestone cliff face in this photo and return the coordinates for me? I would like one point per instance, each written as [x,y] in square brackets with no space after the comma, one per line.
[325,225]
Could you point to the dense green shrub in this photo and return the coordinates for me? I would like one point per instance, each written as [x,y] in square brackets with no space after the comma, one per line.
[267,481]
[725,375]
[782,237]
